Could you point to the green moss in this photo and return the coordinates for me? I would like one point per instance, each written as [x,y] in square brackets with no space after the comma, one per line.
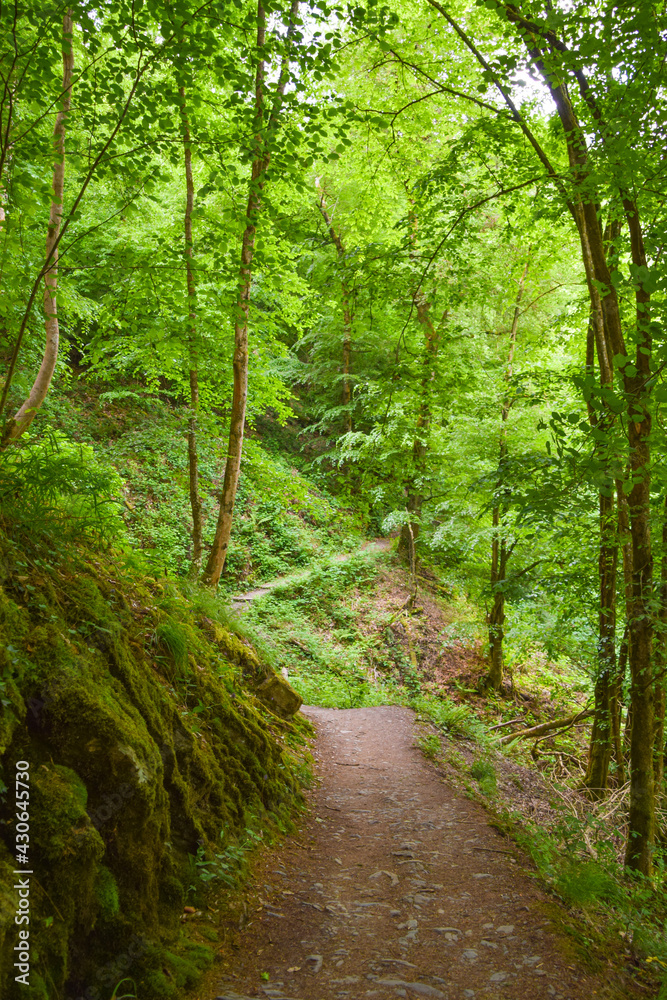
[187,967]
[106,893]
[209,933]
[156,986]
[134,770]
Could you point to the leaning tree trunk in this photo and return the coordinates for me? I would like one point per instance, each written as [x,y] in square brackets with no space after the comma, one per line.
[261,159]
[641,820]
[24,416]
[500,553]
[193,458]
[639,847]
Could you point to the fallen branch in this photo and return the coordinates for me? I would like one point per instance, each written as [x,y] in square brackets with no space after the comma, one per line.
[501,725]
[408,601]
[435,585]
[546,727]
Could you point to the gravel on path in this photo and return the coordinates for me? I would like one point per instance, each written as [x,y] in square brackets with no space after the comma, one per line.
[398,887]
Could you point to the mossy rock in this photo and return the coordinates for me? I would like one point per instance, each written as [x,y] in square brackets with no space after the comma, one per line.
[135,767]
[280,696]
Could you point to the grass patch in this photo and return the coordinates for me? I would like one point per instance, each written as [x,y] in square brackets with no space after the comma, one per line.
[485,774]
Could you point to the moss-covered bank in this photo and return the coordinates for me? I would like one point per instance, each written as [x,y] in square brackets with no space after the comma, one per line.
[149,759]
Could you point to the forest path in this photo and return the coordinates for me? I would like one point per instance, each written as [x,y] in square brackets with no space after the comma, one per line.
[240,602]
[396,886]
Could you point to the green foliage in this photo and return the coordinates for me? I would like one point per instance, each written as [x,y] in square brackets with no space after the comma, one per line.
[53,484]
[469,404]
[123,985]
[485,774]
[451,717]
[309,625]
[282,519]
[584,882]
[228,865]
[430,746]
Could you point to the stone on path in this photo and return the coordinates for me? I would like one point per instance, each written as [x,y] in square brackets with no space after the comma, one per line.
[379,892]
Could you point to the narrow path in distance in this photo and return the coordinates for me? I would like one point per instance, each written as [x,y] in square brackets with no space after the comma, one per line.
[396,887]
[240,602]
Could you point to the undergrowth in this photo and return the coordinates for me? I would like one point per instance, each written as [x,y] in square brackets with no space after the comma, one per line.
[614,908]
[281,519]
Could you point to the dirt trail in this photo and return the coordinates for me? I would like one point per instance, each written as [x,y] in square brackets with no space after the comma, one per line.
[397,887]
[240,602]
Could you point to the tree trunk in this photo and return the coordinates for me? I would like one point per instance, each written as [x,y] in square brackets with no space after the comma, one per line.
[24,416]
[617,708]
[602,734]
[625,541]
[499,559]
[500,552]
[661,666]
[639,849]
[348,311]
[261,159]
[584,208]
[599,754]
[415,489]
[193,459]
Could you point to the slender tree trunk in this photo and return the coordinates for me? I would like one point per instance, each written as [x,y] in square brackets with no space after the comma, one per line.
[24,416]
[639,850]
[661,667]
[499,559]
[430,348]
[599,755]
[420,445]
[348,311]
[500,552]
[347,362]
[621,744]
[639,847]
[600,747]
[193,459]
[617,708]
[584,210]
[261,159]
[218,553]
